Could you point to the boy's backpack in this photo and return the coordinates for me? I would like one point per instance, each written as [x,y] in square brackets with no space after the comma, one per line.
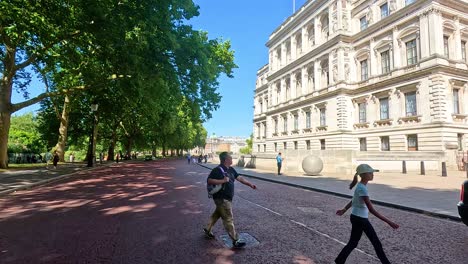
[212,188]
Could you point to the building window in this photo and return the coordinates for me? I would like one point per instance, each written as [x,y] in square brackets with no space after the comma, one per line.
[308,119]
[460,141]
[409,2]
[264,147]
[285,124]
[411,52]
[384,108]
[323,117]
[384,144]
[285,145]
[296,122]
[411,106]
[276,126]
[463,50]
[261,106]
[363,22]
[322,144]
[307,144]
[295,144]
[446,46]
[363,144]
[364,70]
[456,101]
[362,112]
[384,10]
[385,60]
[412,142]
[278,94]
[258,148]
[276,147]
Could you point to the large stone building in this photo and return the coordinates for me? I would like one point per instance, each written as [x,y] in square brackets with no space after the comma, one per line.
[365,81]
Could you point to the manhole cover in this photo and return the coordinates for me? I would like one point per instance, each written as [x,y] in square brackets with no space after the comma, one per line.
[310,210]
[249,240]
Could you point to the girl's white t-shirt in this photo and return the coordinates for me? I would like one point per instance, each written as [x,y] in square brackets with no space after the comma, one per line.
[358,204]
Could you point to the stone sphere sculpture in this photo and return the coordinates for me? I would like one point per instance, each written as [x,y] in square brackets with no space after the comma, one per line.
[312,165]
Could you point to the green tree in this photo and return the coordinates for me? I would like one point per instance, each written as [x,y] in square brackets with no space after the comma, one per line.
[247,149]
[24,136]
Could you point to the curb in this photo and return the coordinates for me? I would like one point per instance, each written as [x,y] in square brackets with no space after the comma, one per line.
[382,203]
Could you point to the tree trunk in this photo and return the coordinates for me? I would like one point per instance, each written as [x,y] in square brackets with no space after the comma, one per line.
[4,130]
[153,151]
[111,151]
[63,130]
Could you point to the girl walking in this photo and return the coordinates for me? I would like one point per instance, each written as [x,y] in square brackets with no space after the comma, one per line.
[361,206]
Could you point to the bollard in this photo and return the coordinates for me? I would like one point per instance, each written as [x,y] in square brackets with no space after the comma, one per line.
[444,169]
[403,164]
[423,171]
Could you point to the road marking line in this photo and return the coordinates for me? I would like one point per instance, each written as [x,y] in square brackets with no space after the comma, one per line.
[276,213]
[311,229]
[332,238]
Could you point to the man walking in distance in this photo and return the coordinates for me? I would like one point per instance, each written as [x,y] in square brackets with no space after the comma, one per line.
[279,162]
[226,175]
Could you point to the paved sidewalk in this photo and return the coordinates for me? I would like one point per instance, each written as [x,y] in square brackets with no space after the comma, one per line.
[21,179]
[430,194]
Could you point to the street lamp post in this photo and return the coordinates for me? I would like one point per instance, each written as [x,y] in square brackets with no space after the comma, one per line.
[90,155]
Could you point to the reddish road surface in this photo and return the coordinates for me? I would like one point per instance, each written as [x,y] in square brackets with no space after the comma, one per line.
[153,212]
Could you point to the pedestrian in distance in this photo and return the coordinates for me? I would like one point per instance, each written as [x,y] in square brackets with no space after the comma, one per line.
[279,162]
[361,206]
[225,175]
[55,159]
[189,158]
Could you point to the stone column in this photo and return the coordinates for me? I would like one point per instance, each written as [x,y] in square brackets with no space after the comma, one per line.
[283,91]
[457,52]
[305,37]
[339,15]
[436,34]
[341,63]
[372,67]
[293,47]
[293,85]
[283,54]
[330,67]
[424,35]
[317,30]
[317,75]
[304,80]
[396,49]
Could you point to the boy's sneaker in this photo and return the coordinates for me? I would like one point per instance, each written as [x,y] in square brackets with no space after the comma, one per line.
[208,234]
[238,243]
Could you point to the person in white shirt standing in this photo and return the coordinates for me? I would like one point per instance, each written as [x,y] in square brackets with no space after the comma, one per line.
[361,206]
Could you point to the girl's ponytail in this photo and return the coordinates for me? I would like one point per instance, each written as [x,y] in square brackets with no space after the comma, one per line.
[355,180]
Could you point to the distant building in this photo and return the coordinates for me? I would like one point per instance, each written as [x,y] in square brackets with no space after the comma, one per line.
[229,144]
[366,81]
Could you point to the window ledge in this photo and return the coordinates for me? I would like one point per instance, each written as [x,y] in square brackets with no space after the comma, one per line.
[275,134]
[409,119]
[309,129]
[361,125]
[383,122]
[284,133]
[295,131]
[459,116]
[322,128]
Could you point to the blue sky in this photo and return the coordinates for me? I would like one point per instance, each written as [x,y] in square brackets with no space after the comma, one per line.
[247,24]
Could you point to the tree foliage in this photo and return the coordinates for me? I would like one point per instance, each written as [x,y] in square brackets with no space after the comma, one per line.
[154,77]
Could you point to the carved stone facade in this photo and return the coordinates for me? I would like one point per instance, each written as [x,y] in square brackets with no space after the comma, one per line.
[385,78]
